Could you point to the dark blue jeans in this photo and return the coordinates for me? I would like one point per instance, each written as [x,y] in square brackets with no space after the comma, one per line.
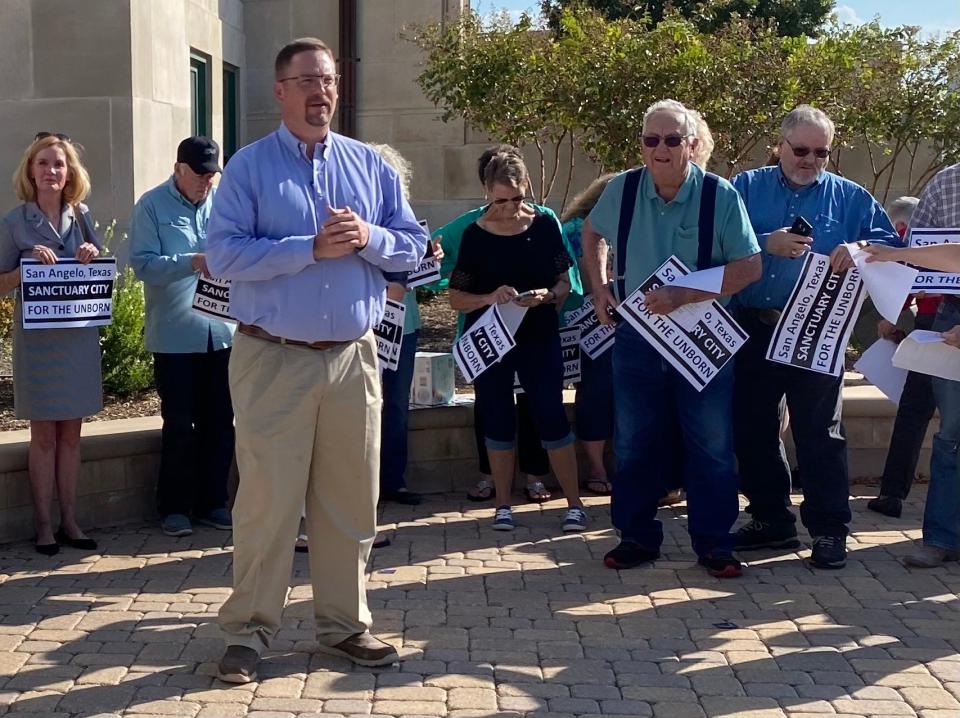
[197,436]
[393,421]
[815,402]
[649,397]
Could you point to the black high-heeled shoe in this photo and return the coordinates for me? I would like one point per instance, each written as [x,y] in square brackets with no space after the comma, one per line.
[84,544]
[47,549]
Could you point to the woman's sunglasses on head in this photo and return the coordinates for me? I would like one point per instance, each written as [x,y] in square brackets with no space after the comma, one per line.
[58,135]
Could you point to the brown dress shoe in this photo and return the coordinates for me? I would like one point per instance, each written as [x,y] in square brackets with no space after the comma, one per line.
[364,650]
[238,665]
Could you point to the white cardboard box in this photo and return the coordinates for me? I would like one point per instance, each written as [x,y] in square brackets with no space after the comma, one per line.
[433,382]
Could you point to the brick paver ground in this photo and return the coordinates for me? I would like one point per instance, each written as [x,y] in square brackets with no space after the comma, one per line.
[492,624]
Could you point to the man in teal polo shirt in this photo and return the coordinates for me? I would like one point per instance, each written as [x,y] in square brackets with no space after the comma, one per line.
[665,220]
[191,351]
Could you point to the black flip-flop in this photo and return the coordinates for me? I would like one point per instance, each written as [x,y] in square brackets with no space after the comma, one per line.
[485,491]
[606,492]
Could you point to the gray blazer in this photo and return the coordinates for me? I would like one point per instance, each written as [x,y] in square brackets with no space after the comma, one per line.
[26,227]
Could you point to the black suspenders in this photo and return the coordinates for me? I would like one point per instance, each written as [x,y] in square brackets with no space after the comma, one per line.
[708,203]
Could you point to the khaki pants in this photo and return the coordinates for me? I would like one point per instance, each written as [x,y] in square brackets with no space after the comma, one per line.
[308,431]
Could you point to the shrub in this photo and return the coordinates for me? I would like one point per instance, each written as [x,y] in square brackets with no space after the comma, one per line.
[127,365]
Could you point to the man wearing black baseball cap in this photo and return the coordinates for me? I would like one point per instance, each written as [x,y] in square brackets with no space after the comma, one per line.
[168,238]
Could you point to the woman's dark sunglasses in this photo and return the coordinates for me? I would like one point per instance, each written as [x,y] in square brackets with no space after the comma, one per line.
[821,153]
[58,135]
[670,140]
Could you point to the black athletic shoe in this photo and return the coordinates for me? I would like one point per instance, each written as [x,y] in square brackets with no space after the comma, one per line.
[887,505]
[721,564]
[829,552]
[761,534]
[629,555]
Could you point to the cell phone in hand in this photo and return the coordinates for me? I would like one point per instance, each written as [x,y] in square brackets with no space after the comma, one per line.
[801,226]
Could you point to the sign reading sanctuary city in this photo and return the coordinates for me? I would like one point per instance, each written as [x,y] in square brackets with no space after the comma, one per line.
[212,297]
[701,344]
[816,324]
[929,281]
[67,294]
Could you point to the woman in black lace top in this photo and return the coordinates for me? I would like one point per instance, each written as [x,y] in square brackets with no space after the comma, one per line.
[513,250]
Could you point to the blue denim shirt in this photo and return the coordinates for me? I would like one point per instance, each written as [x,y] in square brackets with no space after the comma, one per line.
[840,211]
[272,201]
[166,231]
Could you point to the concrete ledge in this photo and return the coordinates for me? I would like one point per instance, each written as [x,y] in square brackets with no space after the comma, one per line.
[120,459]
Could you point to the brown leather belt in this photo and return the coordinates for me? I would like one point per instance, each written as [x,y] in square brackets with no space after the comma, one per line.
[252,330]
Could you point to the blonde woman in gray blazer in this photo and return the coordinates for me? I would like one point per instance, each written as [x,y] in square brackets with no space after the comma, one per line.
[56,372]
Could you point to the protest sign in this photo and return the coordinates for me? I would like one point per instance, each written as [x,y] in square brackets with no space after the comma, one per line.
[927,280]
[389,334]
[595,338]
[212,297]
[816,324]
[67,294]
[428,271]
[699,349]
[488,340]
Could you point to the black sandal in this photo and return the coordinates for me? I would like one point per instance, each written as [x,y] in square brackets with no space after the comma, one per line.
[606,491]
[483,491]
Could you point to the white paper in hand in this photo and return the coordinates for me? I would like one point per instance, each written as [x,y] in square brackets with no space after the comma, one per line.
[921,353]
[876,365]
[706,280]
[888,283]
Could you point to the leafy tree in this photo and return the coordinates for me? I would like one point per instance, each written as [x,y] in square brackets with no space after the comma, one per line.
[891,92]
[790,17]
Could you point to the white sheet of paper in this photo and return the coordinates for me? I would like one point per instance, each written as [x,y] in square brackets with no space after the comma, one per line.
[706,280]
[888,283]
[511,314]
[935,358]
[876,364]
[925,336]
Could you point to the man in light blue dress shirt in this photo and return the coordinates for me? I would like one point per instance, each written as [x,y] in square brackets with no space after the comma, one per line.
[305,224]
[841,212]
[191,351]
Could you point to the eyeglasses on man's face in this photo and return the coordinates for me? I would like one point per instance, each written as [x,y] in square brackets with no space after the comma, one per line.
[821,153]
[653,141]
[306,82]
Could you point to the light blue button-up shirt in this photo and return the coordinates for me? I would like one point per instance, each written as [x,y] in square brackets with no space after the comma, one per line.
[166,231]
[273,200]
[840,211]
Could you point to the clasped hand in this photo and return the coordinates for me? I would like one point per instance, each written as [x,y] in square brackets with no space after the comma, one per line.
[343,233]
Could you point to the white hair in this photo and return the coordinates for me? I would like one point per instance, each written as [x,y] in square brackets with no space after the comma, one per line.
[807,115]
[673,107]
[901,209]
[402,165]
